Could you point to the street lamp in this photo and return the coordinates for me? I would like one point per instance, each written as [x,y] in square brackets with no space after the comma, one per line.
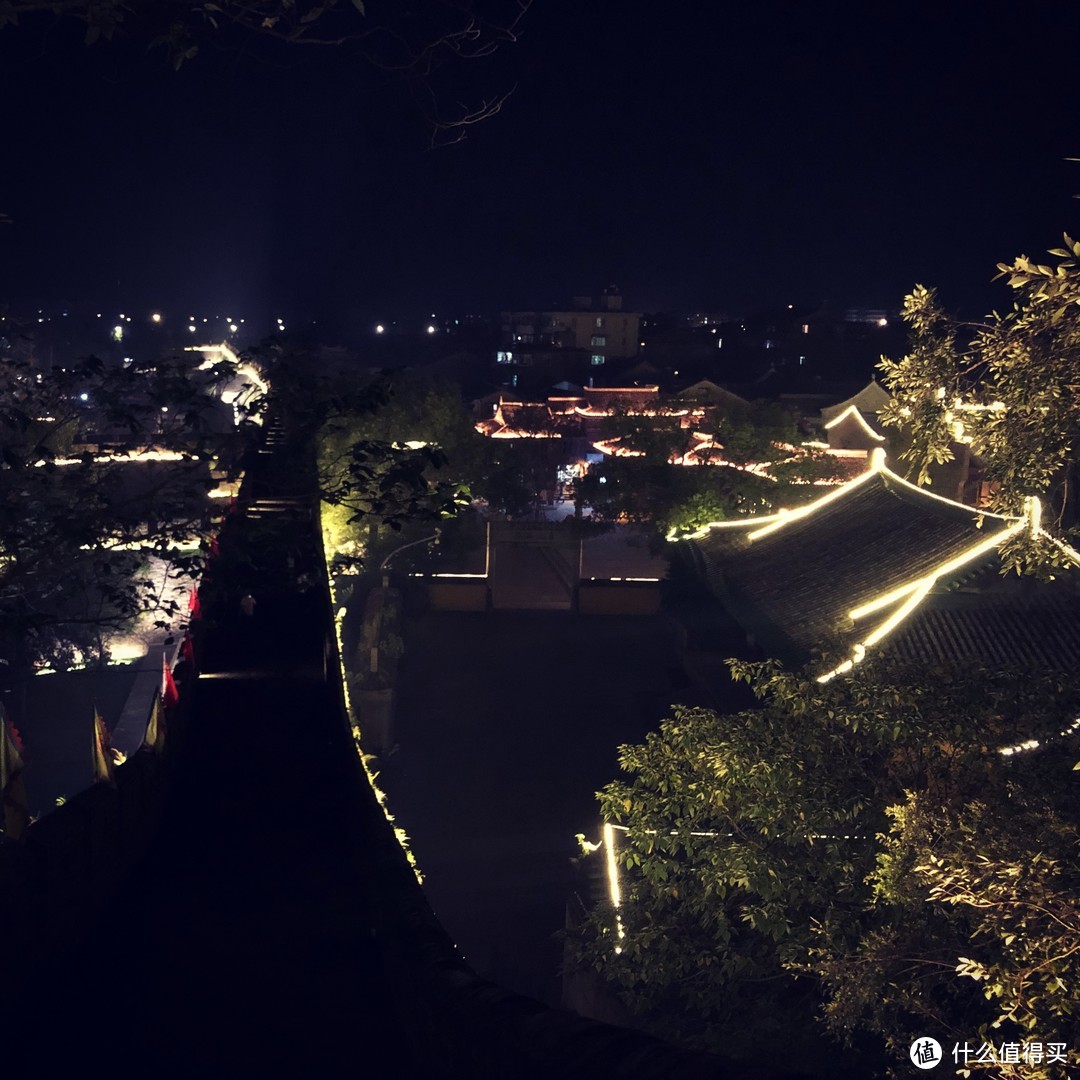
[385,564]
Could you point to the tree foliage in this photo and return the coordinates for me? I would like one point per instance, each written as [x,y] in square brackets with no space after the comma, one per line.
[859,848]
[397,448]
[79,520]
[756,464]
[1008,389]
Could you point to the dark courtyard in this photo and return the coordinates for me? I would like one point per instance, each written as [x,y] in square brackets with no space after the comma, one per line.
[507,724]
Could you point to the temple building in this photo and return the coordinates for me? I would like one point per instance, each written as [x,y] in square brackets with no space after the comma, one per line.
[880,564]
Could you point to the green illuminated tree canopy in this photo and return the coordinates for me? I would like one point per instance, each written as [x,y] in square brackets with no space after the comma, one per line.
[1007,388]
[859,848]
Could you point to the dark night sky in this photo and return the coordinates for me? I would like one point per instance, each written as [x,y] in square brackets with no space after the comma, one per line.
[711,155]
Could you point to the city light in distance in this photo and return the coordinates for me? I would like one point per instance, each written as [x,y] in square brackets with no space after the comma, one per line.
[431,329]
[156,317]
[380,329]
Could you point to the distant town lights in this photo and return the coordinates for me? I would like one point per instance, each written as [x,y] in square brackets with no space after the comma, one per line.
[380,329]
[156,317]
[431,329]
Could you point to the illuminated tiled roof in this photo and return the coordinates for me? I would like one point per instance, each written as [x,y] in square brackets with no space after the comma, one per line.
[871,559]
[1028,624]
[804,578]
[870,400]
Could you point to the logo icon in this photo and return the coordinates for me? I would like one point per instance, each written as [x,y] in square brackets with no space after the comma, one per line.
[925,1053]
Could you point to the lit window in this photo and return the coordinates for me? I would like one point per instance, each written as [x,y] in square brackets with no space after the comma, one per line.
[504,358]
[599,322]
[597,360]
[806,328]
[598,339]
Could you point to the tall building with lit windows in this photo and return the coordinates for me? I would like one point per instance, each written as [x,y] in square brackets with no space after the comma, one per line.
[588,332]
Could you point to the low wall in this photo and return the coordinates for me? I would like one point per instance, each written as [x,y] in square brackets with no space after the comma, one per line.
[458,594]
[618,598]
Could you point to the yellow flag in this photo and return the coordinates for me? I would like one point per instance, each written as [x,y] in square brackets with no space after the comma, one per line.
[154,739]
[103,766]
[16,813]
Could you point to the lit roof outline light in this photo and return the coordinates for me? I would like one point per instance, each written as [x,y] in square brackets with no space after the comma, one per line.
[913,593]
[854,410]
[614,890]
[877,465]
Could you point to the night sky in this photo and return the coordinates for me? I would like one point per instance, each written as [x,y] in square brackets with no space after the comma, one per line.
[700,155]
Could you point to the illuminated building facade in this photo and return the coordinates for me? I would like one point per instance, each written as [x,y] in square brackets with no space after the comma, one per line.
[581,340]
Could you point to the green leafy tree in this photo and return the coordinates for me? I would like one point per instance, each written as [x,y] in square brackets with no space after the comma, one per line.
[781,861]
[757,465]
[79,520]
[1005,390]
[398,448]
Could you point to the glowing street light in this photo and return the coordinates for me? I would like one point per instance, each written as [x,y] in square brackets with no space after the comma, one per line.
[431,329]
[380,329]
[156,317]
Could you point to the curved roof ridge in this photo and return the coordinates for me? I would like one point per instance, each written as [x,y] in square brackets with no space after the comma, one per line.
[905,489]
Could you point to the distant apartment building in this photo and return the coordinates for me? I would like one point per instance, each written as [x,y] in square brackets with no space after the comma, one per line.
[596,333]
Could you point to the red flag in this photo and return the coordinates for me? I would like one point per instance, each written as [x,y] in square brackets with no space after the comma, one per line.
[187,649]
[169,694]
[14,811]
[101,751]
[215,549]
[193,605]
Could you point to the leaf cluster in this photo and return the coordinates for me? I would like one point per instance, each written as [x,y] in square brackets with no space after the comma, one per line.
[1007,389]
[78,522]
[769,858]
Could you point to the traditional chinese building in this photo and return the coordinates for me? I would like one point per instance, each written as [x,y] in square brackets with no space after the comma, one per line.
[853,424]
[879,563]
